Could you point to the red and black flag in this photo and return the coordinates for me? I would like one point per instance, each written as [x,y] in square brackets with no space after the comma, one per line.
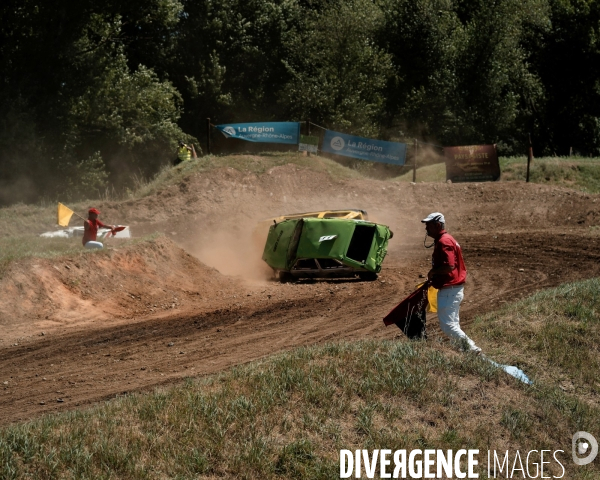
[410,314]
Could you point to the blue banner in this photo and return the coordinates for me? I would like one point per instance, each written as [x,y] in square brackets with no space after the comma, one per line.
[364,148]
[266,132]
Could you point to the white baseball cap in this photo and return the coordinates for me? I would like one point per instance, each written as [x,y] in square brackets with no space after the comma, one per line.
[434,217]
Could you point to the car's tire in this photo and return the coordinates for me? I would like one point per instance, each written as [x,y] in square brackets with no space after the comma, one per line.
[367,276]
[286,277]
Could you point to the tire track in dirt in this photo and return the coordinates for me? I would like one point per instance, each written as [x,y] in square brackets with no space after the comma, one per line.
[88,366]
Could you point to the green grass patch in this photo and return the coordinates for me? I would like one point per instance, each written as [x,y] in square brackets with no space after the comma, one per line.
[288,417]
[578,173]
[555,334]
[429,173]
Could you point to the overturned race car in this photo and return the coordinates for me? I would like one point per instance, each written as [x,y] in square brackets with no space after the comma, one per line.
[326,248]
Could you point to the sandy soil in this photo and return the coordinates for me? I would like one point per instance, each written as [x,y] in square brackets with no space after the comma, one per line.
[85,328]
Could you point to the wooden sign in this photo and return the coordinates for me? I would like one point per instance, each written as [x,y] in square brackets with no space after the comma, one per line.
[472,163]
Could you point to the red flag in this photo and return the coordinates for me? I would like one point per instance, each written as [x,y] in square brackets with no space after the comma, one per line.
[410,314]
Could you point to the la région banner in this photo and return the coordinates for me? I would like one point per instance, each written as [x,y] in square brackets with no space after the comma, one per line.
[364,148]
[265,132]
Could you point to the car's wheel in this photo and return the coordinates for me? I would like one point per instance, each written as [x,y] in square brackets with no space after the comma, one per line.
[286,277]
[367,276]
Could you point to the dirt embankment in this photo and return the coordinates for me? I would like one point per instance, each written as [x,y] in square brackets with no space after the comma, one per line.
[198,300]
[120,284]
[227,201]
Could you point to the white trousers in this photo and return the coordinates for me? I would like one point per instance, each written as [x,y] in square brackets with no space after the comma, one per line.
[448,305]
[92,244]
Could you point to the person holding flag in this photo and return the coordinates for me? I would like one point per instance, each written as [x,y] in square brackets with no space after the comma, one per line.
[448,274]
[90,229]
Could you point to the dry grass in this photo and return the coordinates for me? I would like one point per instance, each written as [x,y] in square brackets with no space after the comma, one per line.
[16,219]
[257,164]
[288,417]
[20,247]
[577,173]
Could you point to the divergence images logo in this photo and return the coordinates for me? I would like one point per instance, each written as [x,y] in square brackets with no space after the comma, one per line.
[229,131]
[582,441]
[337,143]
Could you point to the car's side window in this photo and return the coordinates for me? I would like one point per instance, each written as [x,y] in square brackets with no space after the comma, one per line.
[306,264]
[328,263]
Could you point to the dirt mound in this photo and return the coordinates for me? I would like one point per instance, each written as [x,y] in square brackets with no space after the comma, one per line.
[226,198]
[124,283]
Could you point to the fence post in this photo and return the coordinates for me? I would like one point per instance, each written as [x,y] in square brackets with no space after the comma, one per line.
[529,158]
[308,133]
[415,162]
[208,136]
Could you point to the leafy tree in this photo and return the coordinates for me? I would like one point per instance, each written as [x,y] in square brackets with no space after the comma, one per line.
[495,78]
[67,84]
[423,36]
[84,179]
[337,72]
[567,58]
[228,61]
[91,91]
[463,75]
[128,116]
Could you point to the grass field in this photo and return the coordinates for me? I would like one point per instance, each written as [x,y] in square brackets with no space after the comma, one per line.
[554,334]
[288,416]
[578,173]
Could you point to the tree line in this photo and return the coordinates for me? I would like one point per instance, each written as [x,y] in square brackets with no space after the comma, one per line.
[94,92]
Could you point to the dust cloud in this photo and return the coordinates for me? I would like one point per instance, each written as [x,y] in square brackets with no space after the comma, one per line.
[234,249]
[22,190]
[429,155]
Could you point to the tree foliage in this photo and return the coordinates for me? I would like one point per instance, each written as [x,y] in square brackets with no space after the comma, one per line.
[336,71]
[71,104]
[92,91]
[567,61]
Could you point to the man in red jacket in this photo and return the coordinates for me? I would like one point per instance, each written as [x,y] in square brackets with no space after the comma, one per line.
[448,275]
[90,229]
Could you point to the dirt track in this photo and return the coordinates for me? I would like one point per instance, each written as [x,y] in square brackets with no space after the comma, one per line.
[150,314]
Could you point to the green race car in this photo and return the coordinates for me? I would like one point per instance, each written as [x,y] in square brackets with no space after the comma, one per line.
[326,248]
